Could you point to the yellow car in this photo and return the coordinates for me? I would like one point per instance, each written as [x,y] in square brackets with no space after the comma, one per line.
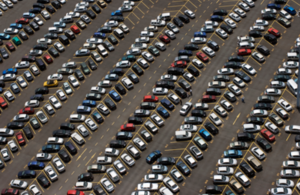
[51,83]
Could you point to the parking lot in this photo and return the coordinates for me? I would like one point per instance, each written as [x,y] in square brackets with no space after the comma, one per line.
[94,145]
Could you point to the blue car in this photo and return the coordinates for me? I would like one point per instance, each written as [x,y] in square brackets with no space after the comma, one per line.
[274,6]
[167,104]
[185,52]
[4,36]
[83,110]
[15,25]
[10,71]
[28,15]
[90,103]
[205,135]
[35,165]
[99,35]
[290,10]
[117,13]
[153,156]
[216,18]
[200,34]
[162,112]
[114,95]
[233,154]
[183,168]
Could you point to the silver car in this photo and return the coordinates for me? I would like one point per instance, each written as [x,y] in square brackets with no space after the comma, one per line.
[225,170]
[44,156]
[230,23]
[22,64]
[258,153]
[208,51]
[186,108]
[111,152]
[171,184]
[16,183]
[42,117]
[198,40]
[77,118]
[51,173]
[54,101]
[290,64]
[69,65]
[153,177]
[234,89]
[157,120]
[32,103]
[107,184]
[215,119]
[139,143]
[111,23]
[221,33]
[285,183]
[220,111]
[113,175]
[291,164]
[160,91]
[91,124]
[123,64]
[272,91]
[21,118]
[226,71]
[285,105]
[289,173]
[8,77]
[240,12]
[73,81]
[127,159]
[5,154]
[120,167]
[188,127]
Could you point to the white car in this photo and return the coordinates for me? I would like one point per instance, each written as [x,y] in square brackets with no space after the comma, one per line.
[111,152]
[208,51]
[12,146]
[292,129]
[45,15]
[289,173]
[11,31]
[32,103]
[34,189]
[51,173]
[245,38]
[45,41]
[221,33]
[83,185]
[258,153]
[147,34]
[160,91]
[21,82]
[38,21]
[96,41]
[235,17]
[171,184]
[268,10]
[80,9]
[139,143]
[107,184]
[5,154]
[16,183]
[153,177]
[217,84]
[259,113]
[142,40]
[258,28]
[91,124]
[55,140]
[169,77]
[215,119]
[272,91]
[8,77]
[54,101]
[285,15]
[230,23]
[249,2]
[22,64]
[280,190]
[157,120]
[234,89]
[261,22]
[111,23]
[285,183]
[227,162]
[73,14]
[198,40]
[239,82]
[226,71]
[271,127]
[55,76]
[225,170]
[147,186]
[73,81]
[251,128]
[186,108]
[240,12]
[123,64]
[249,69]
[292,164]
[127,159]
[221,111]
[43,156]
[290,64]
[285,105]
[42,117]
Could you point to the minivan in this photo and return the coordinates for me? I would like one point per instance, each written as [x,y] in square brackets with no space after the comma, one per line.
[64,39]
[164,16]
[183,135]
[119,33]
[133,151]
[64,156]
[292,86]
[71,148]
[77,138]
[40,63]
[256,164]
[102,50]
[293,56]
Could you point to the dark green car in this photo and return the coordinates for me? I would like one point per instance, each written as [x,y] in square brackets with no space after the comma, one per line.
[153,50]
[130,58]
[85,69]
[16,41]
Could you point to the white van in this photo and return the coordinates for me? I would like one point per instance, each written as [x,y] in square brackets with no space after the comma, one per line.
[102,50]
[293,56]
[183,135]
[158,23]
[246,45]
[77,138]
[164,16]
[292,86]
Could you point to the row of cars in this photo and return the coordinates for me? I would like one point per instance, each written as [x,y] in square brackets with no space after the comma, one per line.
[7,4]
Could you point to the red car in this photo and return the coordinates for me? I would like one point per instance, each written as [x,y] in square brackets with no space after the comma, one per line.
[150,98]
[22,21]
[274,32]
[3,103]
[202,56]
[75,192]
[75,29]
[179,64]
[128,127]
[47,58]
[10,191]
[244,52]
[209,98]
[268,135]
[27,110]
[164,38]
[10,46]
[20,138]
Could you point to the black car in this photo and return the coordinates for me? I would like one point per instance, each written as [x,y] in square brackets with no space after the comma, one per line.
[256,120]
[42,90]
[64,156]
[23,35]
[220,12]
[270,38]
[117,18]
[118,71]
[92,64]
[213,189]
[26,174]
[112,39]
[117,144]
[29,58]
[90,14]
[166,161]
[255,33]
[53,52]
[133,78]
[38,5]
[135,120]
[184,84]
[28,132]
[137,70]
[41,46]
[153,50]
[266,99]
[51,36]
[28,30]
[105,29]
[213,91]
[177,22]
[263,49]
[108,46]
[85,68]
[283,78]
[85,177]
[264,106]
[199,113]
[165,84]
[71,148]
[110,104]
[50,9]
[119,87]
[180,92]
[43,181]
[211,128]
[213,45]
[230,96]
[191,47]
[184,18]
[97,117]
[15,125]
[234,65]
[50,148]
[148,105]
[280,1]
[35,10]
[98,190]
[268,16]
[122,135]
[56,4]
[79,74]
[243,76]
[34,26]
[226,28]
[182,167]
[96,8]
[67,126]
[4,53]
[236,59]
[70,34]
[175,71]
[61,133]
[264,144]
[34,123]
